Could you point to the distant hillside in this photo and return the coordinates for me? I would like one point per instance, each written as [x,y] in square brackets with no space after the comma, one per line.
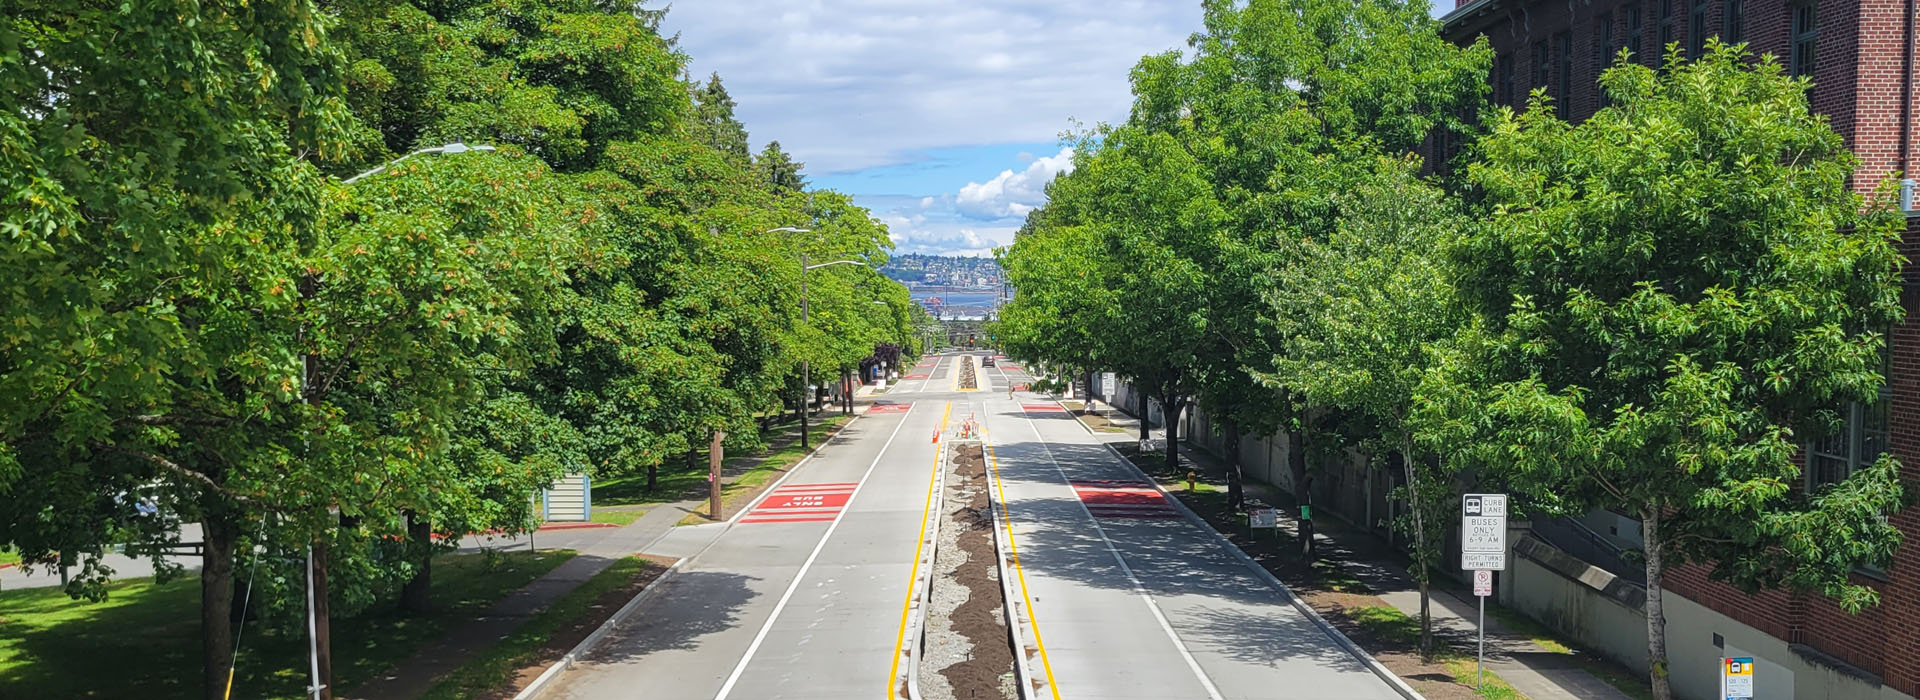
[942,270]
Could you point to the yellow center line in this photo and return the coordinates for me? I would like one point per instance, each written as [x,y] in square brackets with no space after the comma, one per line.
[913,577]
[1013,551]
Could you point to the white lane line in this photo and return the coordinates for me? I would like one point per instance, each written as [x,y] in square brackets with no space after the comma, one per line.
[937,360]
[791,587]
[1138,588]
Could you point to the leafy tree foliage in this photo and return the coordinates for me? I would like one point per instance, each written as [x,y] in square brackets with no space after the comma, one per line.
[1679,290]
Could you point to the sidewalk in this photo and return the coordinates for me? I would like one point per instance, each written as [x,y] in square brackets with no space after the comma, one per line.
[1538,672]
[598,549]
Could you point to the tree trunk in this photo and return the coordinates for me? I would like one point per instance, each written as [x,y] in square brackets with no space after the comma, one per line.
[1420,557]
[1656,607]
[1236,493]
[322,623]
[216,605]
[1145,425]
[416,597]
[1170,414]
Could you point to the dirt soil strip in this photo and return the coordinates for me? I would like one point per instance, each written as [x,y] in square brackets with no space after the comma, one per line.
[969,653]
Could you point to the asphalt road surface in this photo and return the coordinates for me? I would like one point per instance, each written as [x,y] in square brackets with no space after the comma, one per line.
[804,594]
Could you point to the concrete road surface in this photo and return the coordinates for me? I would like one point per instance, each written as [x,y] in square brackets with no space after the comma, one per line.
[802,596]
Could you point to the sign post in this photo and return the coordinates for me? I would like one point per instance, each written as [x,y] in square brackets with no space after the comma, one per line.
[1736,678]
[1263,517]
[1483,550]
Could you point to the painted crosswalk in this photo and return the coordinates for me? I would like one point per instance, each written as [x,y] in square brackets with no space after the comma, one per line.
[802,503]
[1123,499]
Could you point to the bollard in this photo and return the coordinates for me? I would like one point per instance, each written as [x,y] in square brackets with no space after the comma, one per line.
[1190,481]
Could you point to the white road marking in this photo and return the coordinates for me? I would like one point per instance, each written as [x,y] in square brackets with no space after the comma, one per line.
[1138,588]
[937,360]
[791,587]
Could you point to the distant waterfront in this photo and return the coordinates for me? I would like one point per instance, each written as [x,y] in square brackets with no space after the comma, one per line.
[964,304]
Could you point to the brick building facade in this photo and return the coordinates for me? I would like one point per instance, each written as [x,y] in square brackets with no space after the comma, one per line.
[1860,55]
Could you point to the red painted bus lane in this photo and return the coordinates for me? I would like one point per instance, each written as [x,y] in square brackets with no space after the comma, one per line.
[802,503]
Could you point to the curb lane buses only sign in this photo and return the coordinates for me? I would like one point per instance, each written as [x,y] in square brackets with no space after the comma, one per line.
[1483,532]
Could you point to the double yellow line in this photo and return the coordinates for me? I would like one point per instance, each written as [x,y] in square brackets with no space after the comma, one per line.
[913,577]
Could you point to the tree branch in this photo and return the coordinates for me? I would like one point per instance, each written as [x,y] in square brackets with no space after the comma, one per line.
[346,356]
[168,465]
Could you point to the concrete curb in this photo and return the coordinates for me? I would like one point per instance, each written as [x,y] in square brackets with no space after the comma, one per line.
[553,672]
[1399,685]
[1014,606]
[916,646]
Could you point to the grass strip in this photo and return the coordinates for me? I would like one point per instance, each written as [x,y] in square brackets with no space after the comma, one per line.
[1389,624]
[491,670]
[616,516]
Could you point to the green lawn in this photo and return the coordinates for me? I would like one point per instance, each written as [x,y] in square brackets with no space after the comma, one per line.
[621,516]
[144,640]
[494,667]
[8,556]
[1397,628]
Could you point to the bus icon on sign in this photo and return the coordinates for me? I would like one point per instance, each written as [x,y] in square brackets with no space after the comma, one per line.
[1473,505]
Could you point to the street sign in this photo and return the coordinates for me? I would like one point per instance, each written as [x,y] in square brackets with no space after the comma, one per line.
[1483,531]
[1483,583]
[1737,677]
[1264,517]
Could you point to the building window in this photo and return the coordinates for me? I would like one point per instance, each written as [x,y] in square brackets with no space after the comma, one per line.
[1505,93]
[1806,36]
[1666,33]
[1860,442]
[1830,460]
[1697,30]
[1733,24]
[1565,90]
[1602,55]
[1542,64]
[1634,23]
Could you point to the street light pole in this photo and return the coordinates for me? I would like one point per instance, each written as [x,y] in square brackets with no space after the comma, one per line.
[806,367]
[806,379]
[319,620]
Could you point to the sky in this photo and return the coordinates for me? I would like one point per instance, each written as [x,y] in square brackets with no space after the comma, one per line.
[942,117]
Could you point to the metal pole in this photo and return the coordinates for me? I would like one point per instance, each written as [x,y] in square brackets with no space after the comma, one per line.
[715,455]
[313,641]
[1482,660]
[806,373]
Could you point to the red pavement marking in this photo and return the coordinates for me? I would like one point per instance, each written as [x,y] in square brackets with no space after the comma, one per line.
[1057,408]
[915,376]
[1015,368]
[889,408]
[802,503]
[1123,499]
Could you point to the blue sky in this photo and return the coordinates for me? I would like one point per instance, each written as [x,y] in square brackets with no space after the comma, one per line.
[943,117]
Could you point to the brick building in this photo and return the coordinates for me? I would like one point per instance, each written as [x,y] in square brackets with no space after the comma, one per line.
[1860,55]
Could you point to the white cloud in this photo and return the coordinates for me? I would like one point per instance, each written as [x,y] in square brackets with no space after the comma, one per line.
[1011,194]
[852,84]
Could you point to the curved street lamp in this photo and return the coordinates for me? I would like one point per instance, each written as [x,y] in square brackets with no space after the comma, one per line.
[451,148]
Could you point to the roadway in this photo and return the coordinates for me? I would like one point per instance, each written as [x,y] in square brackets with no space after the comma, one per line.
[804,594]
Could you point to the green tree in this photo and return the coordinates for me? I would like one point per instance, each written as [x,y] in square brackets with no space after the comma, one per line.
[780,171]
[714,123]
[1679,290]
[1367,314]
[155,192]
